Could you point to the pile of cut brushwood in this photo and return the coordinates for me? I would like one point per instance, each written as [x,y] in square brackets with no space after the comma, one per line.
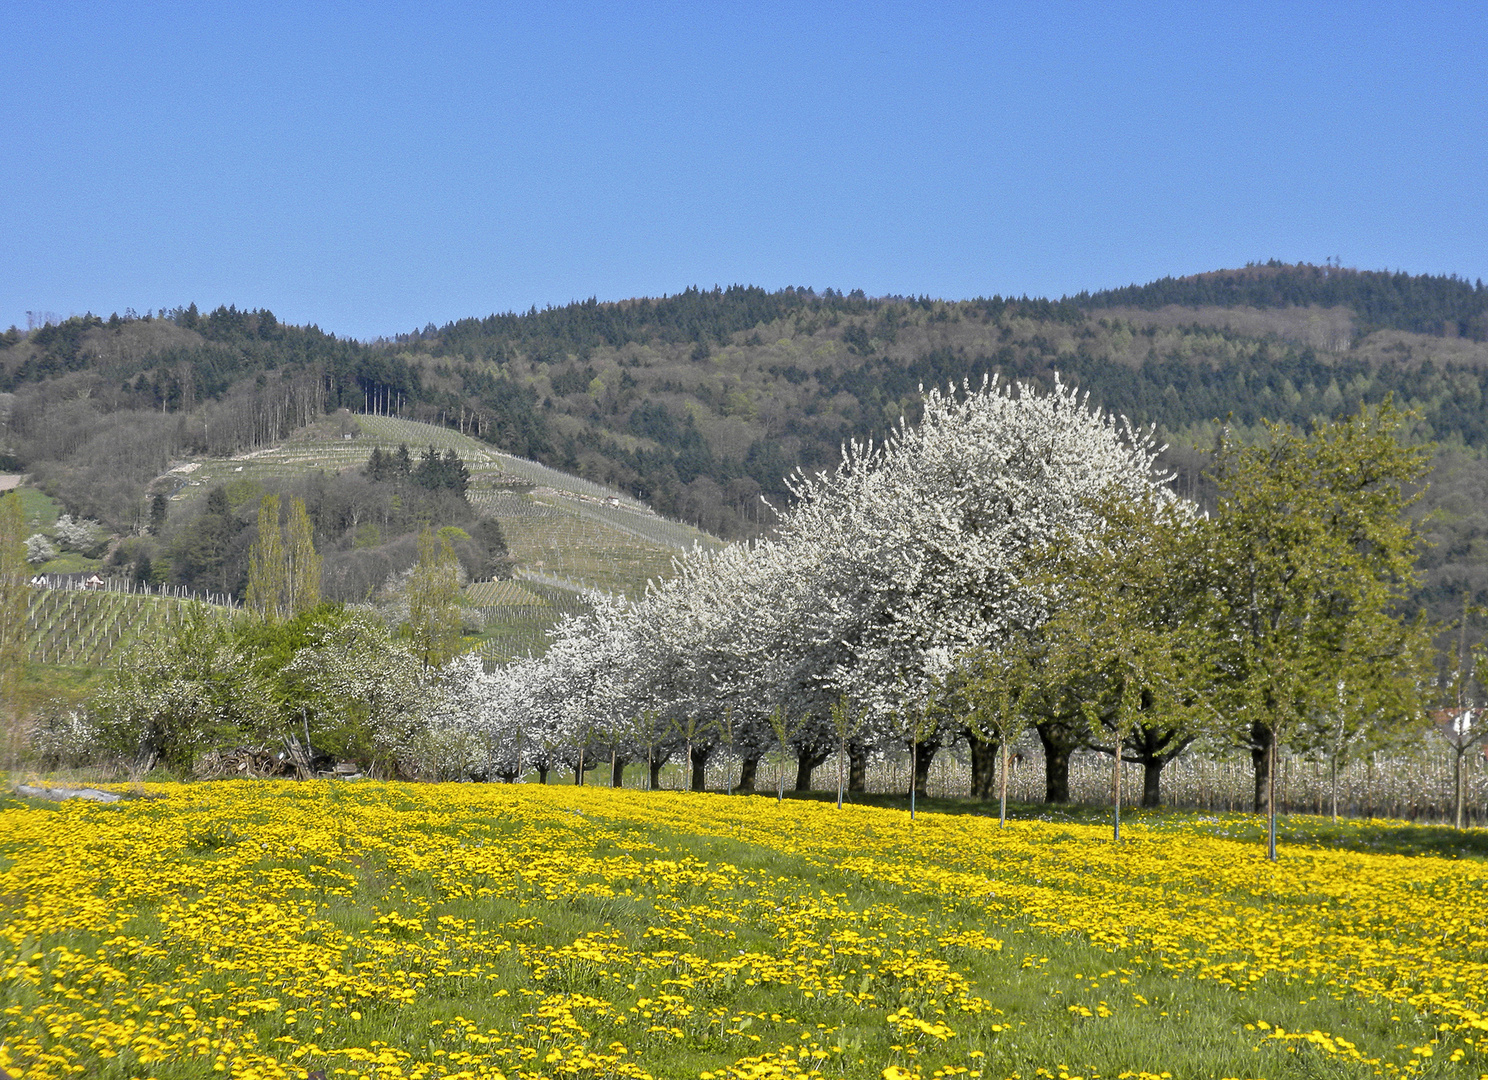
[262,763]
[247,762]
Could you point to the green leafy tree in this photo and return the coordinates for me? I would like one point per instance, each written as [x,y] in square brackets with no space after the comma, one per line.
[433,591]
[846,722]
[268,583]
[785,729]
[990,690]
[1309,558]
[1132,626]
[283,566]
[649,729]
[301,561]
[14,594]
[920,722]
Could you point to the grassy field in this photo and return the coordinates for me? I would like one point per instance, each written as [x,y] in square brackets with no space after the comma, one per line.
[369,930]
[41,510]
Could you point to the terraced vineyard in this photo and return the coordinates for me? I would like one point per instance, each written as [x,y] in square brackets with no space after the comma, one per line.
[588,552]
[561,525]
[566,534]
[519,615]
[81,628]
[322,446]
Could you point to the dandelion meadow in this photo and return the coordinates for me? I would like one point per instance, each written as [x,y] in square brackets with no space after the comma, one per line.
[377,930]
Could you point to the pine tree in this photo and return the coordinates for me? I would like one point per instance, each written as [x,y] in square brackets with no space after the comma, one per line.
[456,475]
[159,507]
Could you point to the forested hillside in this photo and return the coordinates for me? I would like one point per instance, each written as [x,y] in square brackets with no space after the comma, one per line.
[1422,304]
[700,403]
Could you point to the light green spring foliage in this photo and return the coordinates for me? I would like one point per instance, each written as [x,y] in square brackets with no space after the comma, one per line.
[283,567]
[1133,623]
[267,573]
[302,562]
[1310,556]
[13,597]
[434,601]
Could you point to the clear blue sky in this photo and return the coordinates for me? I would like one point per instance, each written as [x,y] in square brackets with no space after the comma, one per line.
[373,168]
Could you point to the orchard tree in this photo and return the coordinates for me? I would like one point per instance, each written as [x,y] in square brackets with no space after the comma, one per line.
[453,745]
[1309,558]
[581,683]
[886,569]
[926,539]
[179,694]
[1460,719]
[365,690]
[1132,630]
[990,691]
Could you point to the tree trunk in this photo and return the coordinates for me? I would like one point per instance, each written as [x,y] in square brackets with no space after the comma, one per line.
[1271,803]
[542,774]
[1457,785]
[924,754]
[857,768]
[983,767]
[617,772]
[1152,782]
[1260,756]
[806,762]
[700,756]
[1002,781]
[1333,787]
[747,770]
[1058,745]
[656,774]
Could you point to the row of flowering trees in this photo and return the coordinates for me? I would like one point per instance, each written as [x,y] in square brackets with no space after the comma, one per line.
[845,631]
[1015,560]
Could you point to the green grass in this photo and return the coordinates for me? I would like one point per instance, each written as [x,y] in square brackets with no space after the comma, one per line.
[1300,830]
[58,683]
[70,562]
[486,946]
[41,510]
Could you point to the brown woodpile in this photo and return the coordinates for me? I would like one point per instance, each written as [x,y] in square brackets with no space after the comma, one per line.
[247,762]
